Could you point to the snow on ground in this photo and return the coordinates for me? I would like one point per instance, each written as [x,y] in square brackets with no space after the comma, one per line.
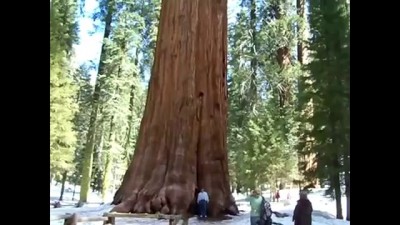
[324,210]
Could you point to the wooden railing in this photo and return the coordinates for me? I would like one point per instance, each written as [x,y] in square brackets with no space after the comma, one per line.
[109,218]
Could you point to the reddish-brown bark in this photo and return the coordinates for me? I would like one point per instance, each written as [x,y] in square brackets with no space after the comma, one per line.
[182,138]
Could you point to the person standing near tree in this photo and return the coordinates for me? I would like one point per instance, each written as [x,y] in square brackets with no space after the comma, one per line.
[303,210]
[255,200]
[277,195]
[202,202]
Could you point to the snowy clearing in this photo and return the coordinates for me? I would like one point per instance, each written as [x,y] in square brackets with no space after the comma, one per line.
[324,210]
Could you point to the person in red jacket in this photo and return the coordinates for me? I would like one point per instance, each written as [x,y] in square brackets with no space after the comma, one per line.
[277,196]
[303,210]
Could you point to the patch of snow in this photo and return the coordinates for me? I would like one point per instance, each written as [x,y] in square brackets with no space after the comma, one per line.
[324,210]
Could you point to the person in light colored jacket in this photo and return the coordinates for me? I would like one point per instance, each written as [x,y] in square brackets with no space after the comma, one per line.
[202,201]
[255,200]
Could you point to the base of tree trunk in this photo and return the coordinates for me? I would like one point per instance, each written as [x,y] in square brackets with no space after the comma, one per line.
[173,203]
[73,220]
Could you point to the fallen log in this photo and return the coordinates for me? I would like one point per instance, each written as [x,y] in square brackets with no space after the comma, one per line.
[173,219]
[70,219]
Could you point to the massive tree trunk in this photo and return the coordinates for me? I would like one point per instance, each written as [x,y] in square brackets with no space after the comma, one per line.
[182,137]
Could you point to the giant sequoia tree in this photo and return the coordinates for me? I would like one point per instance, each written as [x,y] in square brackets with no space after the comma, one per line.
[182,139]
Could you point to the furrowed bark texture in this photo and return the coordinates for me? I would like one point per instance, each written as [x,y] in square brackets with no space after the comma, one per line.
[182,138]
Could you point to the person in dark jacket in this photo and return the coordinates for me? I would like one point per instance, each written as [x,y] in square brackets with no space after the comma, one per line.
[303,210]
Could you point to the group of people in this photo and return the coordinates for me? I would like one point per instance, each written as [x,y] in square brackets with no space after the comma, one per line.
[261,211]
[277,196]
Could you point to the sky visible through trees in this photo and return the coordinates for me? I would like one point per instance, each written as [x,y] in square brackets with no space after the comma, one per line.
[91,35]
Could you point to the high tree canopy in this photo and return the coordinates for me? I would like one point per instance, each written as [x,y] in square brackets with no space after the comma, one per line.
[182,139]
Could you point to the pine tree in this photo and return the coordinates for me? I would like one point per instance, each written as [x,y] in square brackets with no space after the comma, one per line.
[62,88]
[329,22]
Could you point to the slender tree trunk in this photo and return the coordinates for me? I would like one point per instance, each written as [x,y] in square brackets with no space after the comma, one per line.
[130,115]
[73,192]
[128,156]
[306,160]
[97,170]
[108,162]
[300,31]
[338,195]
[346,160]
[182,138]
[255,47]
[90,143]
[239,187]
[347,183]
[107,176]
[335,165]
[283,59]
[64,179]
